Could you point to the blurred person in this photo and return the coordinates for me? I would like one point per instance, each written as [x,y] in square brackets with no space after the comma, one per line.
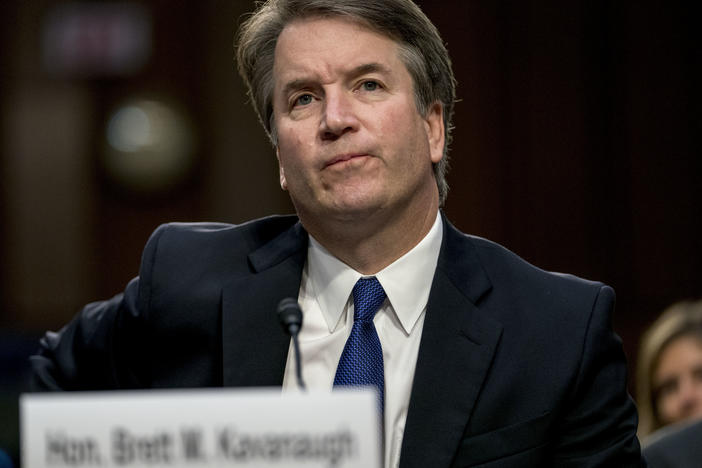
[669,374]
[479,358]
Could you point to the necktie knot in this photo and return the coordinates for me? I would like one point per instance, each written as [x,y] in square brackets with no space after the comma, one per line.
[368,295]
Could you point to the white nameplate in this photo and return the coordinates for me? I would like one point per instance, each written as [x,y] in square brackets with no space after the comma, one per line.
[200,428]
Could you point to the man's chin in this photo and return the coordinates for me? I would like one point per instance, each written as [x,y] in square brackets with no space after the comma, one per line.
[352,210]
[353,213]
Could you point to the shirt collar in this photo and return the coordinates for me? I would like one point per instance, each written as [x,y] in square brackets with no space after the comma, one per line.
[406,281]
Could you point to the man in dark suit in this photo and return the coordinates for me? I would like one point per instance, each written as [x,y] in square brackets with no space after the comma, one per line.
[480,359]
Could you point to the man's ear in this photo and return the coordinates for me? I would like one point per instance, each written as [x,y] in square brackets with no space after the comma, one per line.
[434,121]
[283,182]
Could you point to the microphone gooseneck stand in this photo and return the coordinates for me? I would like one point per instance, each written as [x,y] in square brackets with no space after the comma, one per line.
[290,316]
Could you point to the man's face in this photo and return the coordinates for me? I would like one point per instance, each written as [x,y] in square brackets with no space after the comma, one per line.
[350,139]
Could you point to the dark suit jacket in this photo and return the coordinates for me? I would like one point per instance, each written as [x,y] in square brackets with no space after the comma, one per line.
[675,447]
[517,367]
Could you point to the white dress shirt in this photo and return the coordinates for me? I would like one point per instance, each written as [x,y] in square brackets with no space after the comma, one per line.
[327,304]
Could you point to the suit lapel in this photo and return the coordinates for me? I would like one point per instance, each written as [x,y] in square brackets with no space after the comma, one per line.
[254,345]
[455,353]
[456,350]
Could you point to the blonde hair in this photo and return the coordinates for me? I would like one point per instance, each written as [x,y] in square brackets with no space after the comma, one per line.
[680,319]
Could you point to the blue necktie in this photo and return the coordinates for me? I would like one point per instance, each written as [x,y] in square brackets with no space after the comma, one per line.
[361,362]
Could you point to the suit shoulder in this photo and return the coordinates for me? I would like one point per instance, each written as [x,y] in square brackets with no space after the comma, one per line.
[179,247]
[255,231]
[516,281]
[502,264]
[675,445]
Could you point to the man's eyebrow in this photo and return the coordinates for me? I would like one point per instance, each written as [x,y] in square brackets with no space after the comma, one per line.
[363,69]
[294,85]
[373,67]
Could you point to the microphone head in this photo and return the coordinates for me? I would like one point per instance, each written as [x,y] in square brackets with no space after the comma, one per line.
[290,315]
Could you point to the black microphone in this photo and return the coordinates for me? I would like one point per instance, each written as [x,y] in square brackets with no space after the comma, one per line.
[290,316]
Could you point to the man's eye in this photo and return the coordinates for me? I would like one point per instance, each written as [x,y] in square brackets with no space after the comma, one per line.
[370,85]
[303,100]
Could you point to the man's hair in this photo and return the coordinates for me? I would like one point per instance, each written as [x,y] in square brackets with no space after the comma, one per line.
[421,49]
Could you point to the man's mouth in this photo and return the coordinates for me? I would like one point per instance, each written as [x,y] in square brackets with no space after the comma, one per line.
[343,158]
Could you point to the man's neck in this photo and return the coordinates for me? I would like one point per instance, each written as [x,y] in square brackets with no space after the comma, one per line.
[370,244]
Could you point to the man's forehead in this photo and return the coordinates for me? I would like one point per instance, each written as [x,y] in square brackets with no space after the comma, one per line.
[298,54]
[360,24]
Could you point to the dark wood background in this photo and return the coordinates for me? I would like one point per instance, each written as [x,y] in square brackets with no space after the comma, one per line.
[577,145]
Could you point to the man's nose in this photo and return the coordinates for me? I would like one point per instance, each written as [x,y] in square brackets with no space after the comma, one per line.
[339,115]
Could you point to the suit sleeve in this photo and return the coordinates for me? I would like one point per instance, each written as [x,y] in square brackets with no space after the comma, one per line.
[599,428]
[105,345]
